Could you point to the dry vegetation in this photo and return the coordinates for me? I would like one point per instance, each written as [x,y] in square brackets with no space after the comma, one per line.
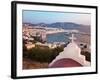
[29,64]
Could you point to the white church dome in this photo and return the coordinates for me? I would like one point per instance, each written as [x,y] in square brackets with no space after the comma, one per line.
[72,48]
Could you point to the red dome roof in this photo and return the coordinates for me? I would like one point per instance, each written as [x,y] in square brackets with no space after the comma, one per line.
[66,62]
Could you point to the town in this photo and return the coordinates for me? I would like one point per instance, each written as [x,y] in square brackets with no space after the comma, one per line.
[37,35]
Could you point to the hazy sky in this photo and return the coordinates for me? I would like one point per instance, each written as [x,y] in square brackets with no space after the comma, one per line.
[51,17]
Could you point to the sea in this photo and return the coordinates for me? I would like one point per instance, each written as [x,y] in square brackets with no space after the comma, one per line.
[58,37]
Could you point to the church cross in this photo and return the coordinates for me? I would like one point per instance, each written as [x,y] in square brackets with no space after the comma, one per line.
[72,37]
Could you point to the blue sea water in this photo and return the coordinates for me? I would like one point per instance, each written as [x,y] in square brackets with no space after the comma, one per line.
[57,37]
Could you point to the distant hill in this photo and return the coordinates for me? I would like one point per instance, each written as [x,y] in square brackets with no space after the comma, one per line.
[64,25]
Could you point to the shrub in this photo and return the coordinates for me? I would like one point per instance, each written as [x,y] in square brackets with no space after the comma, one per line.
[43,54]
[87,55]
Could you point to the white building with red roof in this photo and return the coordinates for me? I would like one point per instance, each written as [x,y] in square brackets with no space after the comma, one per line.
[70,57]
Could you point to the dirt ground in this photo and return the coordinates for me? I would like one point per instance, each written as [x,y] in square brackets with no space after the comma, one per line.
[29,64]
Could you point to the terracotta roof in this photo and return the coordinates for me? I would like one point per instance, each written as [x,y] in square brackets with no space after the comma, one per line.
[66,62]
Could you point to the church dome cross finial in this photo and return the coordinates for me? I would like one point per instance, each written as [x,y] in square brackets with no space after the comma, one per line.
[72,37]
